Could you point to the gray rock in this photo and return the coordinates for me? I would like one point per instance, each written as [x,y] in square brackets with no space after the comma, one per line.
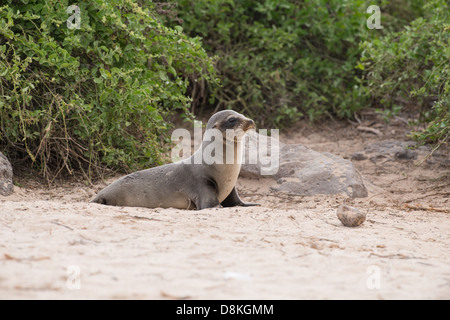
[391,150]
[303,171]
[261,155]
[6,175]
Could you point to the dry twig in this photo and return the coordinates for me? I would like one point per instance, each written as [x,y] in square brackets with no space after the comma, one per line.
[371,130]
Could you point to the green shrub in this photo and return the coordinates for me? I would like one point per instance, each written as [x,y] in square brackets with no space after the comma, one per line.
[92,97]
[277,59]
[282,59]
[412,66]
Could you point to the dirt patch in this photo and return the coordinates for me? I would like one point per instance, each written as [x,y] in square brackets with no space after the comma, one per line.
[54,244]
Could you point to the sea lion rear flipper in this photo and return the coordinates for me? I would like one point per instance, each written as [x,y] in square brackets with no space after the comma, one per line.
[233,200]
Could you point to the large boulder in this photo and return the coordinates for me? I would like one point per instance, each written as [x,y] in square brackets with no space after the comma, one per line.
[301,170]
[6,175]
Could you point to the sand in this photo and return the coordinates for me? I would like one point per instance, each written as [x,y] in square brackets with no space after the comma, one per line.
[54,244]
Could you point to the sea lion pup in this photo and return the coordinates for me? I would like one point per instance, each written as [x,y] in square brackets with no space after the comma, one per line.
[205,180]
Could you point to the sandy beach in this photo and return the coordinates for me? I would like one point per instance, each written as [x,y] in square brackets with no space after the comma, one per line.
[54,244]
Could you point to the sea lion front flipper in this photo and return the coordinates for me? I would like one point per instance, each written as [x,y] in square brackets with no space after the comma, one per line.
[206,198]
[233,200]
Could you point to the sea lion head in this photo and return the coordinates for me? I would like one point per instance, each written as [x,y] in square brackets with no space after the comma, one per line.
[230,120]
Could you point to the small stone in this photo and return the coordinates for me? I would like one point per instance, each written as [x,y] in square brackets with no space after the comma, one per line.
[359,156]
[350,216]
[406,155]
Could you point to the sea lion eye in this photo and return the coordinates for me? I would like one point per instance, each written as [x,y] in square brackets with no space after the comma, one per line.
[232,120]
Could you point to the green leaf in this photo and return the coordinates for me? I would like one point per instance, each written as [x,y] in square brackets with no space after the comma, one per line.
[179,29]
[163,76]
